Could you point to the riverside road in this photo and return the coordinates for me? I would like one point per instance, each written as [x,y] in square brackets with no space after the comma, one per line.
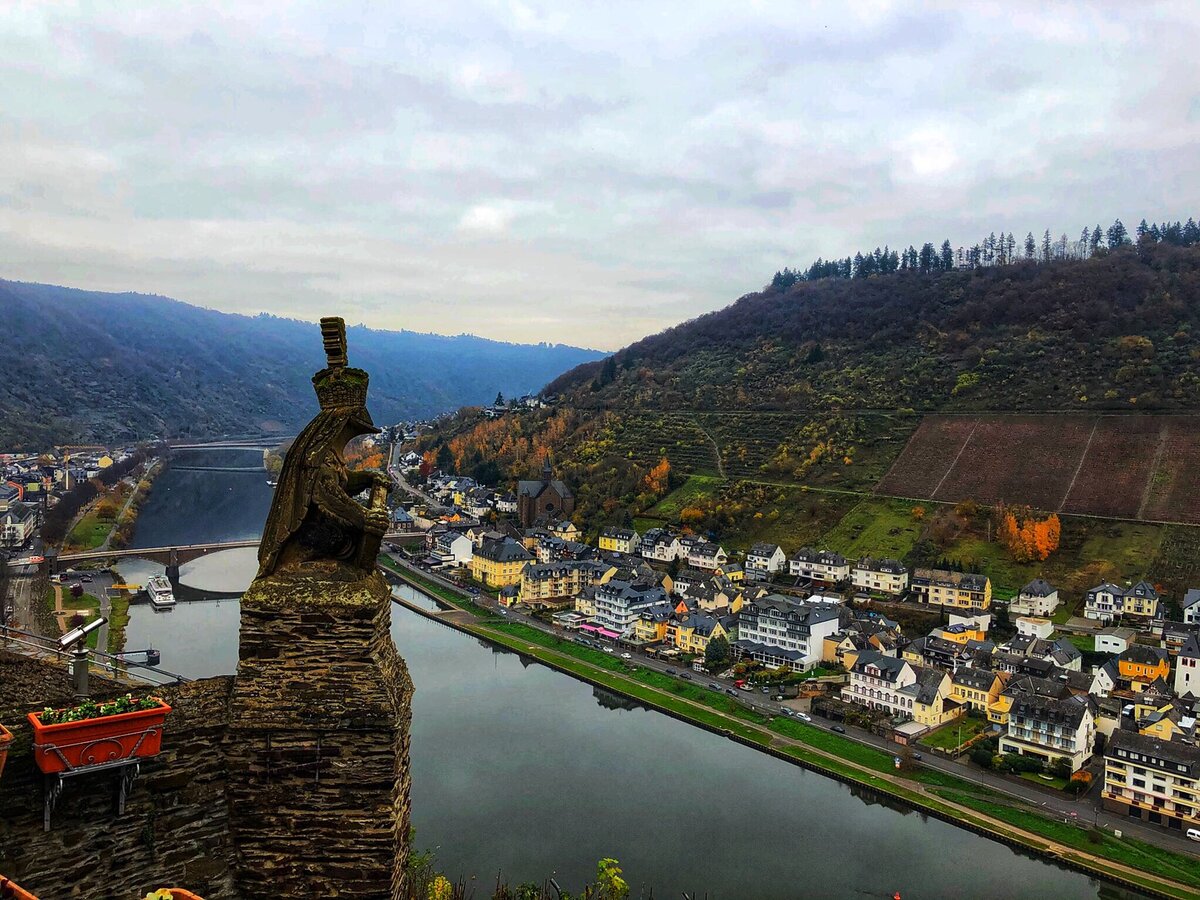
[1084,810]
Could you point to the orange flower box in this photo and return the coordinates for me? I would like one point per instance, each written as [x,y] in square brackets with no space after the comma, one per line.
[179,894]
[10,890]
[5,740]
[102,740]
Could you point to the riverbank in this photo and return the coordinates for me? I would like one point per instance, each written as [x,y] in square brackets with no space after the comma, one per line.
[1131,863]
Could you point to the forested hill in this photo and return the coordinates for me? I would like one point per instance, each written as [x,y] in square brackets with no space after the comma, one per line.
[83,365]
[1117,331]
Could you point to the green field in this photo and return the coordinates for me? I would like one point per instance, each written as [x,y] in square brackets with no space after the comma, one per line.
[697,487]
[89,532]
[956,733]
[875,527]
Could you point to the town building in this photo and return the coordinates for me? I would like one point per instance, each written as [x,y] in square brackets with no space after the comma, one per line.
[545,499]
[1114,639]
[498,563]
[619,604]
[976,689]
[553,583]
[1141,666]
[1191,606]
[17,524]
[764,560]
[691,633]
[779,631]
[1151,779]
[901,689]
[451,549]
[1106,602]
[706,555]
[619,540]
[1187,669]
[957,590]
[660,545]
[819,565]
[1051,728]
[879,576]
[1038,598]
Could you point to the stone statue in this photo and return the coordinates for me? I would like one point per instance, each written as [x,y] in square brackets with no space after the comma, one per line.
[315,524]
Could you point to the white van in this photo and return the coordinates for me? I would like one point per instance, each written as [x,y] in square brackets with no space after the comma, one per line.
[1193,834]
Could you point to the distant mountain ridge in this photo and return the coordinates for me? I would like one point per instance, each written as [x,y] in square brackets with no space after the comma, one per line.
[88,365]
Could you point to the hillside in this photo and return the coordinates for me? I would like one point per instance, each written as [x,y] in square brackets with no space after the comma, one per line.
[84,365]
[795,407]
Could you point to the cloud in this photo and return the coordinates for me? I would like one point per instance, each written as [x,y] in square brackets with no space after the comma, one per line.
[563,171]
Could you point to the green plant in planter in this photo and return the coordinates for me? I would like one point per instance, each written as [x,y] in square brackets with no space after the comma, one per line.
[90,709]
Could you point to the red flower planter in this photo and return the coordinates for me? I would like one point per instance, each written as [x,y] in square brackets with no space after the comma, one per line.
[5,740]
[10,889]
[91,742]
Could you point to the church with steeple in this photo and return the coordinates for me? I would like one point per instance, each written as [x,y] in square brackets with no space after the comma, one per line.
[545,500]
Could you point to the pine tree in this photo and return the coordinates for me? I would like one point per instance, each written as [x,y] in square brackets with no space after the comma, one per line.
[1097,237]
[1031,245]
[1046,248]
[1117,235]
[1142,229]
[947,256]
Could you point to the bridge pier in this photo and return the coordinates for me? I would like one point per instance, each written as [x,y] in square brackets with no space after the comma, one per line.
[173,566]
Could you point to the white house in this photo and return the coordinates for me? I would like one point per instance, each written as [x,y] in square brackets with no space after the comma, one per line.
[619,604]
[1051,728]
[453,548]
[1034,626]
[1038,598]
[779,631]
[1187,669]
[819,565]
[706,555]
[1191,606]
[1114,640]
[659,544]
[764,560]
[886,576]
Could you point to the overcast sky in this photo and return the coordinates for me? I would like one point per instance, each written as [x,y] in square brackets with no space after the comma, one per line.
[584,173]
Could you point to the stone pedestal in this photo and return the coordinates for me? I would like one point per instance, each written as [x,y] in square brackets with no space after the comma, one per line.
[317,746]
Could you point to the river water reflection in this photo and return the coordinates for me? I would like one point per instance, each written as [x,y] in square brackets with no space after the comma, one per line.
[521,769]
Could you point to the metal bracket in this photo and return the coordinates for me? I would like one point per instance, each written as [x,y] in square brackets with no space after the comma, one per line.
[129,769]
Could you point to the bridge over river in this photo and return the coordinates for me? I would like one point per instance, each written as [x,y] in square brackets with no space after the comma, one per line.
[174,557]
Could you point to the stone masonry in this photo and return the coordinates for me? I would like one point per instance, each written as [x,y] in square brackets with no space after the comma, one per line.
[317,745]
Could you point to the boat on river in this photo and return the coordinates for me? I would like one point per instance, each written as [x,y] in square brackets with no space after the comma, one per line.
[162,596]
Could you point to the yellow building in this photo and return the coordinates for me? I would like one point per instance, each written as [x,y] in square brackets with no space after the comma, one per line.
[499,563]
[978,689]
[692,634]
[954,590]
[619,540]
[556,582]
[104,462]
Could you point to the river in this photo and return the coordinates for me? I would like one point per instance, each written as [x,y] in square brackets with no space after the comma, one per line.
[520,769]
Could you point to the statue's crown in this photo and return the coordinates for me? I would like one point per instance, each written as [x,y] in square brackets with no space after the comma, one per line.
[338,385]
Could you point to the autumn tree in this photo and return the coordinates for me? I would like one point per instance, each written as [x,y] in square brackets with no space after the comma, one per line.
[1027,537]
[658,478]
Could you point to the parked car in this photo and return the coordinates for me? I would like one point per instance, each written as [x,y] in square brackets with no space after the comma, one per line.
[713,687]
[839,729]
[608,649]
[686,676]
[626,656]
[731,692]
[746,688]
[804,716]
[670,671]
[1193,834]
[918,757]
[503,611]
[787,711]
[85,577]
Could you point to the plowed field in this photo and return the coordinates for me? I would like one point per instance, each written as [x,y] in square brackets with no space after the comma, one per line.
[1137,467]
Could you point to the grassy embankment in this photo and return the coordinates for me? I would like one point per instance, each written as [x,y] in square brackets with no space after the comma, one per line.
[834,753]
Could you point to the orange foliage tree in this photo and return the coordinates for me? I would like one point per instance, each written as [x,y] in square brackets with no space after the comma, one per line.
[658,478]
[1026,536]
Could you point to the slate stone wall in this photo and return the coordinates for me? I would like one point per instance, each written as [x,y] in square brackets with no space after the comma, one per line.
[289,780]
